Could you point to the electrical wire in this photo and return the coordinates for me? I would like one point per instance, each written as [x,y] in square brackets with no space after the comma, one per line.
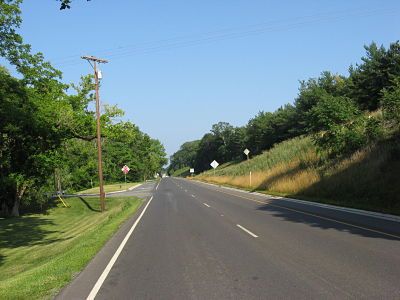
[223,34]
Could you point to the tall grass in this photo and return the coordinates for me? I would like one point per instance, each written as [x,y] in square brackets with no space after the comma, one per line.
[183,172]
[369,179]
[287,168]
[300,149]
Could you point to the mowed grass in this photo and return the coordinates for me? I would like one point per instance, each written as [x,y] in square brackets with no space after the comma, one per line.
[110,188]
[41,253]
[368,179]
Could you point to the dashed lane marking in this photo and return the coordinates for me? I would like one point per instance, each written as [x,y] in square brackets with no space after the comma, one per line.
[247,231]
[309,214]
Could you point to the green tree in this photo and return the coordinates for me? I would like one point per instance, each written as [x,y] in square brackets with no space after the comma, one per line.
[267,128]
[338,125]
[377,71]
[391,106]
[29,139]
[46,130]
[207,152]
[66,4]
[258,130]
[184,157]
[230,141]
[312,91]
[35,70]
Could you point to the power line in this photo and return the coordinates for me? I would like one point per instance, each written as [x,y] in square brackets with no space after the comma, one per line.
[230,33]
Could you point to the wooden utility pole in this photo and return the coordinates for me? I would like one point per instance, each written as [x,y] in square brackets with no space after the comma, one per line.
[95,61]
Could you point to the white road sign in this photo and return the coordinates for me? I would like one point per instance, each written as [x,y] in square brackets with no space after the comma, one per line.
[125,169]
[191,170]
[214,164]
[246,151]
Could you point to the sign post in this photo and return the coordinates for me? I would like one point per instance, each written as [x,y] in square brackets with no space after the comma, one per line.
[125,169]
[191,171]
[247,151]
[214,164]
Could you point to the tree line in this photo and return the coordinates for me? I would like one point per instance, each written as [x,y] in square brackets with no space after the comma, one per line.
[342,114]
[47,129]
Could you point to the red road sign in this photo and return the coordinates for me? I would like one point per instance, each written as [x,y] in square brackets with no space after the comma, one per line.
[125,169]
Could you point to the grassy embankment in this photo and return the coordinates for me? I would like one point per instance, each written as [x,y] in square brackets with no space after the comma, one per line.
[369,179]
[40,253]
[110,188]
[182,172]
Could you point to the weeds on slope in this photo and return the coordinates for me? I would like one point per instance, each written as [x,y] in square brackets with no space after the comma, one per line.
[368,179]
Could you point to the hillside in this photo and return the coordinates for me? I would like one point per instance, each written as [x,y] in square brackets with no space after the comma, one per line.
[183,172]
[368,179]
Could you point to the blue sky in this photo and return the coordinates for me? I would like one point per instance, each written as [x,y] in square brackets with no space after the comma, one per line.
[177,67]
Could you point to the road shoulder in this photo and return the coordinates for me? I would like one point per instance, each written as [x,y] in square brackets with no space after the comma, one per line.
[375,222]
[82,284]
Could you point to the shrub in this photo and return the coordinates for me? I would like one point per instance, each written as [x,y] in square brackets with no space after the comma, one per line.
[391,106]
[338,125]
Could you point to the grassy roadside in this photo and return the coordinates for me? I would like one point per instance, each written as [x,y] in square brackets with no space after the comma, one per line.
[110,188]
[182,172]
[369,179]
[336,202]
[40,253]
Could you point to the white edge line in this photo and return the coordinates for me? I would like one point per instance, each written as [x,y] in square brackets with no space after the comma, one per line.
[316,215]
[321,217]
[361,212]
[246,230]
[135,186]
[206,205]
[157,186]
[107,270]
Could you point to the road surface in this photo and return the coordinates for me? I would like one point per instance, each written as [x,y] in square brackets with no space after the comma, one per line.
[196,241]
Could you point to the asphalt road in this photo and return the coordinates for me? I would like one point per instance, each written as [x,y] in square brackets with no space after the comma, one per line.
[196,241]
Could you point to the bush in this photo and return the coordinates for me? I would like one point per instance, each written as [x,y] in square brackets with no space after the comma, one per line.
[391,106]
[338,125]
[374,129]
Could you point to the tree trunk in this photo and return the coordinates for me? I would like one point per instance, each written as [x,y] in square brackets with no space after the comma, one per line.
[15,209]
[5,212]
[18,196]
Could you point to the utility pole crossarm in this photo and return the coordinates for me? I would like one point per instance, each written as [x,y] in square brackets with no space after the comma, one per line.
[96,59]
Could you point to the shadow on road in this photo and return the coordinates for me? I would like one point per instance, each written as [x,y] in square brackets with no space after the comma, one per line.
[314,221]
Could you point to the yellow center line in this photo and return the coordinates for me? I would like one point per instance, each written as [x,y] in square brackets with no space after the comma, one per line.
[309,214]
